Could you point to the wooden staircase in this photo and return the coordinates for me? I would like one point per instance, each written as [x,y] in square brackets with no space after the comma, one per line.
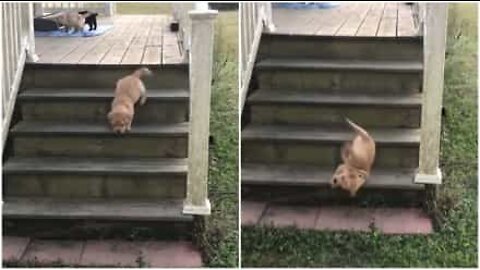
[62,161]
[293,122]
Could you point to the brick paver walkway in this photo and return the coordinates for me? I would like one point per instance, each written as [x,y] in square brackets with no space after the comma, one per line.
[337,218]
[98,253]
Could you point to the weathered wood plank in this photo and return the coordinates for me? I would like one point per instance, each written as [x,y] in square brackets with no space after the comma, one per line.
[201,64]
[388,24]
[286,63]
[25,128]
[129,42]
[291,175]
[319,98]
[136,50]
[37,94]
[94,209]
[45,165]
[351,26]
[338,17]
[152,55]
[396,136]
[406,26]
[434,57]
[369,26]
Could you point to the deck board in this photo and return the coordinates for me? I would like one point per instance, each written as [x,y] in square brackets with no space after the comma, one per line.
[134,39]
[348,19]
[388,24]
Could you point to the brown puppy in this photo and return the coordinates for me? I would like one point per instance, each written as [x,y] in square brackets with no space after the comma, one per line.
[129,90]
[358,156]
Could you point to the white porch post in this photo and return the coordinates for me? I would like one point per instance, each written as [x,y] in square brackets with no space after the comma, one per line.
[269,25]
[201,61]
[31,54]
[110,8]
[37,9]
[435,33]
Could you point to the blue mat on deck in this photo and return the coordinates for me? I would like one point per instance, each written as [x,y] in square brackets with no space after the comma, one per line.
[306,5]
[101,29]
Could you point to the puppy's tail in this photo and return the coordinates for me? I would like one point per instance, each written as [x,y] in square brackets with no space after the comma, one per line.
[141,72]
[358,129]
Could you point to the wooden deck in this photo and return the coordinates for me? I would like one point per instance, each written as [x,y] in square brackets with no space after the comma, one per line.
[348,19]
[134,39]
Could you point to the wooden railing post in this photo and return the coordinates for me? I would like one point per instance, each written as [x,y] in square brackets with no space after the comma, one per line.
[31,53]
[37,9]
[201,62]
[268,17]
[435,33]
[110,8]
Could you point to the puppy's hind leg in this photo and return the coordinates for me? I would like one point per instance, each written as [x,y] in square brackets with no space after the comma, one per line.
[143,96]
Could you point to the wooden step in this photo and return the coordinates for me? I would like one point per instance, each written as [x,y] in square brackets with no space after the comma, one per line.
[339,64]
[357,98]
[101,76]
[95,166]
[291,175]
[340,47]
[43,139]
[321,146]
[163,105]
[282,107]
[41,128]
[90,177]
[137,210]
[106,94]
[382,136]
[365,76]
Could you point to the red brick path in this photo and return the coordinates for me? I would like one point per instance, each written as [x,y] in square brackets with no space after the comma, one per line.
[338,218]
[100,253]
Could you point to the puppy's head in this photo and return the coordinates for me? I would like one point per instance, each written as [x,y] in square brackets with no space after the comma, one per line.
[348,178]
[119,121]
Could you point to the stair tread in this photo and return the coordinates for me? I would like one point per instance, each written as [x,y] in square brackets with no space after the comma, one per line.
[115,166]
[97,94]
[110,209]
[304,63]
[302,175]
[404,136]
[59,128]
[296,36]
[266,96]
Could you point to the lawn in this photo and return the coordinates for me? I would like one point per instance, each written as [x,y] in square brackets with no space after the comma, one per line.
[220,240]
[219,237]
[454,243]
[143,8]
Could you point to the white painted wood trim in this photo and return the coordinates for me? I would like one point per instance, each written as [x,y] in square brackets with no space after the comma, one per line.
[429,178]
[110,8]
[31,52]
[15,86]
[268,17]
[201,63]
[247,73]
[435,36]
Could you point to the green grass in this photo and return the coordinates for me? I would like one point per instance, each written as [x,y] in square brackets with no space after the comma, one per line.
[454,244]
[143,8]
[220,239]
